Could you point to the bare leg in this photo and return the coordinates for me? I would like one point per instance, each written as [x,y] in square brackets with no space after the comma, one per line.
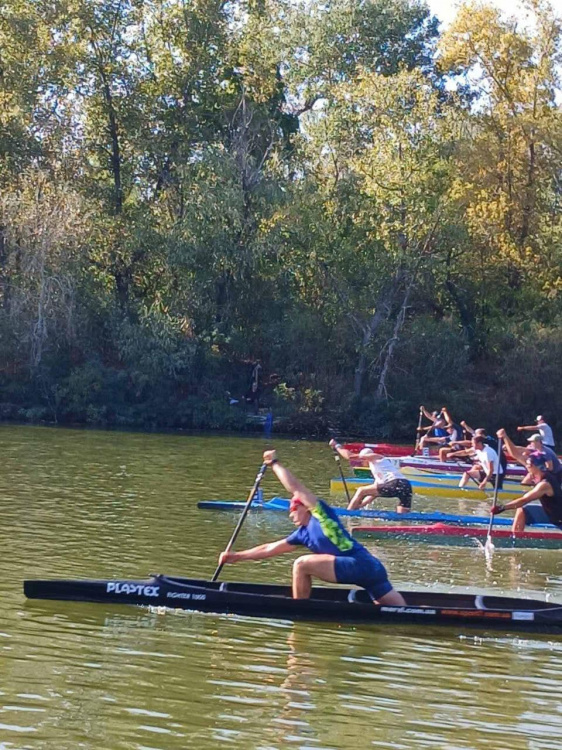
[444,453]
[474,473]
[320,566]
[393,598]
[402,509]
[361,494]
[518,520]
[367,501]
[373,493]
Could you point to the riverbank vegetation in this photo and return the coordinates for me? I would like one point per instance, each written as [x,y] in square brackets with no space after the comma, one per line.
[368,207]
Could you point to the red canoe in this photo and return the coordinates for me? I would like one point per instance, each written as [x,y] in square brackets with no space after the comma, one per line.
[441,533]
[385,449]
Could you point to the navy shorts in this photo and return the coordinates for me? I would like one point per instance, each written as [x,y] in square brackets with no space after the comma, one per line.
[536,514]
[365,571]
[399,488]
[492,480]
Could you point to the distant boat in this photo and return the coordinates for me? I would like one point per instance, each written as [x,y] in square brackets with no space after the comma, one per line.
[437,486]
[281,505]
[462,536]
[431,464]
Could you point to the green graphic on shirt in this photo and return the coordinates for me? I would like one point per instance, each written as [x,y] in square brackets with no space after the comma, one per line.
[332,529]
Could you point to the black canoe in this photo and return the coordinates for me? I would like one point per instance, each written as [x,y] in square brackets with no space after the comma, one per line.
[341,605]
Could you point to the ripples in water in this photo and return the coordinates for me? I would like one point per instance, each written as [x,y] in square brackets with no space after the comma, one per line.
[87,504]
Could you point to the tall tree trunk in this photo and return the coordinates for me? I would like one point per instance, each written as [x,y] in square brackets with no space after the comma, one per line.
[113,129]
[4,275]
[529,199]
[381,388]
[381,313]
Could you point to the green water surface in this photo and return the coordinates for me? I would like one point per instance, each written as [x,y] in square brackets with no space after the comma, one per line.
[97,504]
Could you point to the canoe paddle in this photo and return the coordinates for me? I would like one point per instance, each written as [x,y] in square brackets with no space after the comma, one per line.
[338,461]
[489,544]
[418,433]
[243,515]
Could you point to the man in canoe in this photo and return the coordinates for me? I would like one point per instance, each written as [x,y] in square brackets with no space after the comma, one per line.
[336,557]
[389,480]
[543,428]
[437,428]
[536,445]
[486,466]
[547,489]
[469,452]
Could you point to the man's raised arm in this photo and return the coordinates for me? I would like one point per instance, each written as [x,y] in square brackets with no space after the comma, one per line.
[289,481]
[341,451]
[518,453]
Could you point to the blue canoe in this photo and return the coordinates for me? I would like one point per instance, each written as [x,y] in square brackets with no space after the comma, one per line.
[281,504]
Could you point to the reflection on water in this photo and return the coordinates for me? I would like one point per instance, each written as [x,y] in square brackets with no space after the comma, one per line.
[87,504]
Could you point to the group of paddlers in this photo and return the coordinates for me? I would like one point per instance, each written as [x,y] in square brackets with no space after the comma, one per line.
[487,455]
[338,558]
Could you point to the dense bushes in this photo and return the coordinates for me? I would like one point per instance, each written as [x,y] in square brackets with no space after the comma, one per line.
[378,222]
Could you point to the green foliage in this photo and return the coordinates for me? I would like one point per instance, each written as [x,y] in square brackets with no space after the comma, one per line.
[187,186]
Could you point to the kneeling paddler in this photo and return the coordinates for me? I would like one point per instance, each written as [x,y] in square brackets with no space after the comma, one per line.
[336,557]
[547,490]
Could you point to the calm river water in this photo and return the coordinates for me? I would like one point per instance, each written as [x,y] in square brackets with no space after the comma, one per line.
[96,504]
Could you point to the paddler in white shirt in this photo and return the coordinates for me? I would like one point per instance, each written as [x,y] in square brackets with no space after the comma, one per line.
[486,466]
[544,429]
[389,480]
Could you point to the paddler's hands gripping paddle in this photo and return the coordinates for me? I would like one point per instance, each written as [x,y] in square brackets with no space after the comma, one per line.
[337,458]
[489,544]
[251,496]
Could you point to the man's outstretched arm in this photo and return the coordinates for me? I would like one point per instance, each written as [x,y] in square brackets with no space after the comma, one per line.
[341,451]
[289,481]
[519,453]
[257,553]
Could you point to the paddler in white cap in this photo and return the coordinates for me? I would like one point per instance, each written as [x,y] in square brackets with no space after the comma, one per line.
[389,480]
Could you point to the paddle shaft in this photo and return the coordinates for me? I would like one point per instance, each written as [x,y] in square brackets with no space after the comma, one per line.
[418,433]
[242,518]
[459,460]
[338,461]
[495,500]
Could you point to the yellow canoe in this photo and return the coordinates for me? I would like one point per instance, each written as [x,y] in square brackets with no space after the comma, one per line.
[439,488]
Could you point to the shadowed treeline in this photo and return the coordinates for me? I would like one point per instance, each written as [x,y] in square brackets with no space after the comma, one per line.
[369,209]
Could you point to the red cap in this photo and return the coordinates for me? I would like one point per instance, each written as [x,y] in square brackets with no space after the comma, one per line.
[295,502]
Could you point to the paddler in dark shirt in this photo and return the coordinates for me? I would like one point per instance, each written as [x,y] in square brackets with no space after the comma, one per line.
[547,489]
[536,445]
[336,558]
[437,428]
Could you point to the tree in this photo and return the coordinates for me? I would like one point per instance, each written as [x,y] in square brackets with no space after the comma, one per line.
[379,159]
[508,181]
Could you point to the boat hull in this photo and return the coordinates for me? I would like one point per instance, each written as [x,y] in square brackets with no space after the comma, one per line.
[385,449]
[429,465]
[462,536]
[438,487]
[341,605]
[281,505]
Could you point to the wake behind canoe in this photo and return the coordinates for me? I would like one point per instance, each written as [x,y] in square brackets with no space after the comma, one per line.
[329,604]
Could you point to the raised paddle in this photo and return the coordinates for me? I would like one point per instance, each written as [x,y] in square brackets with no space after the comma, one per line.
[243,515]
[489,544]
[338,461]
